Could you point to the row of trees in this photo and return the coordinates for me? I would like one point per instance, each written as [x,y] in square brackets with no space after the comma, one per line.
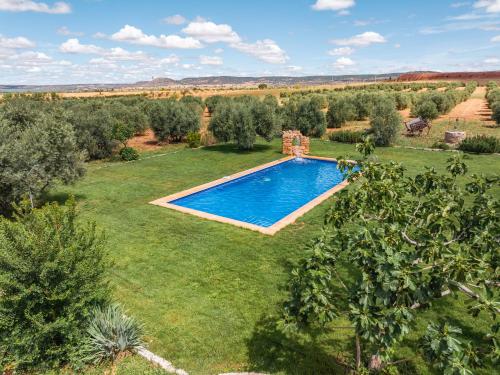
[430,105]
[493,98]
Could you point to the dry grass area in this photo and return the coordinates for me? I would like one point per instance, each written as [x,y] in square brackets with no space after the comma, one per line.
[472,116]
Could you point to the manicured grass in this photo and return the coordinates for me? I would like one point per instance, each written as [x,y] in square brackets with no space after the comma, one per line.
[208,292]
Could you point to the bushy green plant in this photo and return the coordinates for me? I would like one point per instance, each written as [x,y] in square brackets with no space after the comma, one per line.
[426,110]
[128,154]
[244,128]
[441,145]
[53,272]
[444,348]
[221,123]
[110,333]
[385,122]
[193,139]
[480,144]
[309,118]
[347,136]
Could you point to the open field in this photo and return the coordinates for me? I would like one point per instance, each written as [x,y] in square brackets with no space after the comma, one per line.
[208,292]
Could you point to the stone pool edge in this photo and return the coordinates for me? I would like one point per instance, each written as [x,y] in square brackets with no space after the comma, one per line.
[273,229]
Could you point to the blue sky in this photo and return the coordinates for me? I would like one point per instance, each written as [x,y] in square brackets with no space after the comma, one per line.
[85,41]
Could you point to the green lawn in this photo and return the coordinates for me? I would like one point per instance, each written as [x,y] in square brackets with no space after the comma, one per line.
[207,292]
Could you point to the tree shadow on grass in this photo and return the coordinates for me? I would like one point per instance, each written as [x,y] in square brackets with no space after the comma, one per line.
[60,197]
[228,148]
[271,351]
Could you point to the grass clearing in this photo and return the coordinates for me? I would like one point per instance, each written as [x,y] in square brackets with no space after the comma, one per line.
[207,292]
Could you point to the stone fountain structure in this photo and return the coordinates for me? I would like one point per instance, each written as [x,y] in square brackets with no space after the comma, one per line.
[294,143]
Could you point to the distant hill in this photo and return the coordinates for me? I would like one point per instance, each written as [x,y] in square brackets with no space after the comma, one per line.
[206,81]
[234,81]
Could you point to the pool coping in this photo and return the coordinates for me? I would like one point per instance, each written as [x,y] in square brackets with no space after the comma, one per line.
[273,229]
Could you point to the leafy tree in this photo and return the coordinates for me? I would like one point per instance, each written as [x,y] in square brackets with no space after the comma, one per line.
[221,123]
[172,120]
[52,274]
[93,123]
[408,240]
[262,86]
[244,128]
[310,120]
[385,122]
[426,110]
[35,153]
[340,111]
[265,120]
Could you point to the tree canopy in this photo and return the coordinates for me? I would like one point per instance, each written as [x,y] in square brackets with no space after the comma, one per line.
[408,240]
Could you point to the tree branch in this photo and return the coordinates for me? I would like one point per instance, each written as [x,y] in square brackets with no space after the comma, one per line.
[470,293]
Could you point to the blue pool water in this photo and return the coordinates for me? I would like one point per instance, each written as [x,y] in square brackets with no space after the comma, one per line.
[266,196]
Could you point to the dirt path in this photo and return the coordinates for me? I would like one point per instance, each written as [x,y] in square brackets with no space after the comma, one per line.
[474,108]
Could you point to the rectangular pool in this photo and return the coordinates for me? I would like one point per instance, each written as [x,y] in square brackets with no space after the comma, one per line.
[265,198]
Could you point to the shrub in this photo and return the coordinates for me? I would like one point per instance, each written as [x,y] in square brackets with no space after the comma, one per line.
[441,146]
[480,144]
[34,154]
[53,273]
[262,86]
[385,122]
[193,139]
[172,120]
[129,154]
[426,110]
[110,333]
[339,112]
[495,115]
[347,136]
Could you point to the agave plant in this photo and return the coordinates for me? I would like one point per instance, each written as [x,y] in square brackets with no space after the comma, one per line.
[111,332]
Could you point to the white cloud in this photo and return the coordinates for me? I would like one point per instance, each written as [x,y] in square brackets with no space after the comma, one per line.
[34,6]
[397,45]
[496,39]
[361,40]
[66,31]
[74,46]
[16,42]
[294,68]
[218,50]
[341,51]
[176,19]
[333,4]
[344,62]
[490,6]
[210,32]
[492,61]
[172,59]
[134,35]
[266,50]
[211,60]
[99,35]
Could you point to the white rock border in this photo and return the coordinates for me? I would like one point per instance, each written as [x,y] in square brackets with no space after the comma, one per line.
[159,361]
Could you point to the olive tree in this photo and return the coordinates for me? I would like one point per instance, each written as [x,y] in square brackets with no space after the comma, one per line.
[35,153]
[408,240]
[385,122]
[172,120]
[426,110]
[340,110]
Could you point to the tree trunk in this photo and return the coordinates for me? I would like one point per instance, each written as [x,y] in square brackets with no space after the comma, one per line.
[358,352]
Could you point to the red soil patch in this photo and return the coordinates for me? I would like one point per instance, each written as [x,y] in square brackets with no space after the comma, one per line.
[463,76]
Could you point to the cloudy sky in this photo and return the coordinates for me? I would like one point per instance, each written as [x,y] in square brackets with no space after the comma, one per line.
[86,41]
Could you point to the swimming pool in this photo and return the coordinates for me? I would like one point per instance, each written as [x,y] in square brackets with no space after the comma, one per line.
[265,198]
